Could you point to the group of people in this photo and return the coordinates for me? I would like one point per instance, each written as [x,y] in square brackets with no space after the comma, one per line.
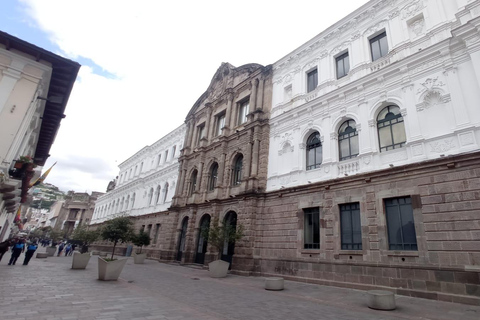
[18,245]
[69,248]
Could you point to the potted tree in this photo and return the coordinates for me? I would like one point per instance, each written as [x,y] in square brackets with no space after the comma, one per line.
[85,237]
[54,235]
[116,230]
[220,236]
[140,239]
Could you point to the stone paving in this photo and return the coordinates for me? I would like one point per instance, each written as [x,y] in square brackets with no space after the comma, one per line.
[47,289]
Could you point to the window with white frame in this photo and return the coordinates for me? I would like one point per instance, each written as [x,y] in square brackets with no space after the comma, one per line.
[348,140]
[379,46]
[391,129]
[312,80]
[243,111]
[342,65]
[220,123]
[314,151]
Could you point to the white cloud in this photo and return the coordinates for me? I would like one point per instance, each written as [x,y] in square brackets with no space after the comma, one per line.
[163,54]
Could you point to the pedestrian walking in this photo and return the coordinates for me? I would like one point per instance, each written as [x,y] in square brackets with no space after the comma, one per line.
[60,249]
[4,246]
[68,248]
[31,248]
[74,246]
[17,249]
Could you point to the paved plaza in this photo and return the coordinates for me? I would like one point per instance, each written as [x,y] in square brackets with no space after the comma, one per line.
[49,289]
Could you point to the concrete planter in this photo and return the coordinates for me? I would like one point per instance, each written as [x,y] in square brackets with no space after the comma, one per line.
[218,268]
[139,258]
[110,270]
[80,260]
[51,251]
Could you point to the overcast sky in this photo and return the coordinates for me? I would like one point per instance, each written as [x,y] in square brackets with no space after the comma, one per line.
[146,62]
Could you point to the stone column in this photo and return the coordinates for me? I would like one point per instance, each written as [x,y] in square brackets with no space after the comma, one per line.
[413,124]
[200,176]
[7,85]
[260,94]
[228,113]
[255,152]
[221,171]
[253,96]
[209,121]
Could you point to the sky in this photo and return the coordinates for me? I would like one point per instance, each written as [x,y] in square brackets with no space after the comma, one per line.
[146,62]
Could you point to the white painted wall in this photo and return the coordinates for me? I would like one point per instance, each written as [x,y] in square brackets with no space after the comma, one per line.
[432,72]
[152,176]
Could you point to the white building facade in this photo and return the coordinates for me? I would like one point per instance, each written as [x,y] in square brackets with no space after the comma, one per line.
[146,182]
[393,83]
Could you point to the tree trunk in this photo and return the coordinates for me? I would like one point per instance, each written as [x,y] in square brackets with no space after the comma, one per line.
[113,251]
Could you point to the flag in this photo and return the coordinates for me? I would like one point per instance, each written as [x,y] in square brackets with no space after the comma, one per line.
[18,220]
[42,178]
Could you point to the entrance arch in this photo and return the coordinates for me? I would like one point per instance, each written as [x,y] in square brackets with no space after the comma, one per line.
[229,247]
[202,242]
[182,239]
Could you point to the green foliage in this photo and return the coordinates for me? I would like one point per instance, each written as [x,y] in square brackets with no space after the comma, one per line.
[119,229]
[218,235]
[141,239]
[85,236]
[55,234]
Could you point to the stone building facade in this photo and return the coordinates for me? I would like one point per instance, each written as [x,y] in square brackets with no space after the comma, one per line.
[373,175]
[223,167]
[76,209]
[352,161]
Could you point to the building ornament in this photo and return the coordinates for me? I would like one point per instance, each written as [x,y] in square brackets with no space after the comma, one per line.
[442,146]
[411,9]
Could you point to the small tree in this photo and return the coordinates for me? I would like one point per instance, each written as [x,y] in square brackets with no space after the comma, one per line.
[117,230]
[55,235]
[85,237]
[141,239]
[220,235]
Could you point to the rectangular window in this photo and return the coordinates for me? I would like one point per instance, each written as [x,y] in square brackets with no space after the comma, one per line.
[142,229]
[343,65]
[311,228]
[379,46]
[220,124]
[157,228]
[312,80]
[242,112]
[149,229]
[400,224]
[201,132]
[350,226]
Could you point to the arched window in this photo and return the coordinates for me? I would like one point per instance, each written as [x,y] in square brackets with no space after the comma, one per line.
[237,171]
[213,177]
[165,192]
[121,204]
[133,200]
[157,195]
[150,196]
[348,140]
[314,151]
[193,182]
[128,201]
[391,129]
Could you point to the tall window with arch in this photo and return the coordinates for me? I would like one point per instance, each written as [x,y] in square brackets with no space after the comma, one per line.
[133,201]
[174,149]
[193,182]
[212,183]
[391,128]
[127,202]
[150,196]
[165,193]
[314,151]
[237,170]
[157,194]
[348,140]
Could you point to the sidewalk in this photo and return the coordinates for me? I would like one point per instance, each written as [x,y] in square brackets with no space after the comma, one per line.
[49,289]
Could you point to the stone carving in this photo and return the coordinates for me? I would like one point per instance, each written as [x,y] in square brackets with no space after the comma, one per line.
[442,146]
[311,64]
[429,84]
[287,147]
[417,27]
[348,167]
[417,150]
[394,156]
[466,138]
[411,9]
[371,123]
[302,146]
[285,180]
[326,169]
[367,160]
[376,27]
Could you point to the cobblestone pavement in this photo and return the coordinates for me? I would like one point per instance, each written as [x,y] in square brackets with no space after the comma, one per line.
[49,289]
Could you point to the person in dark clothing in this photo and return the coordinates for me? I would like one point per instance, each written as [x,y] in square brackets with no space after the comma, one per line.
[31,248]
[60,249]
[74,246]
[17,249]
